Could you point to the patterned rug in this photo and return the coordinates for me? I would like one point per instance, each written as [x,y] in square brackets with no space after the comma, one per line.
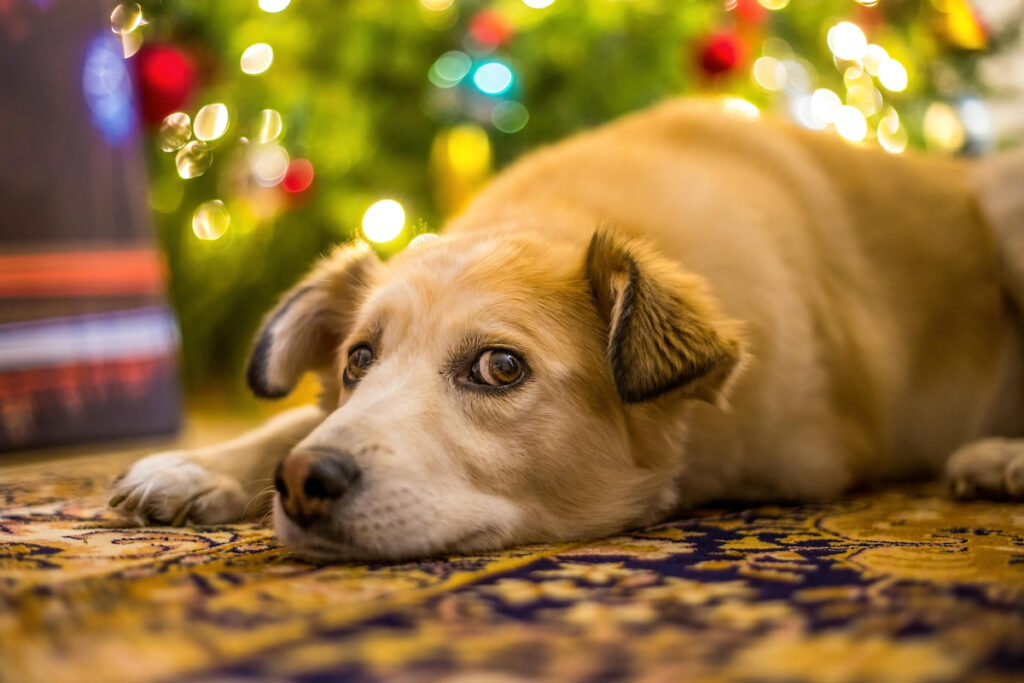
[897,585]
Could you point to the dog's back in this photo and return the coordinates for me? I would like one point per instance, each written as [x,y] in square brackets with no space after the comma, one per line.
[869,284]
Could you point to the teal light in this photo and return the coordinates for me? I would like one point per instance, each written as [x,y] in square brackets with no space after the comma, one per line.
[492,78]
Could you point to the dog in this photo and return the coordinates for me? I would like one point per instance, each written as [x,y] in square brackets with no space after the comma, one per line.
[683,306]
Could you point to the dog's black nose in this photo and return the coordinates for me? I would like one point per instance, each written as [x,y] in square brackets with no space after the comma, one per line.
[309,481]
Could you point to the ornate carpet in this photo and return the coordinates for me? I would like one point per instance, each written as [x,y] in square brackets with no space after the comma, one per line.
[901,585]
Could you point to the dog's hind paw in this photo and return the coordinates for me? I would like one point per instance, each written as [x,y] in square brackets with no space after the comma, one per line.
[171,488]
[988,468]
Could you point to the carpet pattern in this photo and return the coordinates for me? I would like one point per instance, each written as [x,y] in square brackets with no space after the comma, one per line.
[901,585]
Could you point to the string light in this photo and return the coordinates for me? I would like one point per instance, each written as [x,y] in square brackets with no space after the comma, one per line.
[211,220]
[492,78]
[193,159]
[174,131]
[892,75]
[851,124]
[270,126]
[273,6]
[211,122]
[847,41]
[257,58]
[383,221]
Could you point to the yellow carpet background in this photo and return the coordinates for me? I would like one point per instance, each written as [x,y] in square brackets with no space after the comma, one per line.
[898,585]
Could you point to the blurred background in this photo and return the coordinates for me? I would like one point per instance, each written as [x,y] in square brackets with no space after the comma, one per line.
[211,150]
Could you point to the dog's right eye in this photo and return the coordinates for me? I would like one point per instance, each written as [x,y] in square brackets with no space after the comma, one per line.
[359,360]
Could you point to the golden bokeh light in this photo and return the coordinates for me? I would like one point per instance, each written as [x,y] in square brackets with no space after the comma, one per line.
[211,220]
[125,18]
[211,122]
[193,159]
[257,58]
[942,128]
[847,41]
[851,124]
[174,131]
[270,126]
[383,221]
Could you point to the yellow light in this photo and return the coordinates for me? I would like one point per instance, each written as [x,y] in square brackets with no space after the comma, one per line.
[769,73]
[891,136]
[211,122]
[773,4]
[437,5]
[865,97]
[538,4]
[273,6]
[211,220]
[824,105]
[125,18]
[383,221]
[737,106]
[892,75]
[942,128]
[851,124]
[257,58]
[193,159]
[270,126]
[174,131]
[469,150]
[874,55]
[847,41]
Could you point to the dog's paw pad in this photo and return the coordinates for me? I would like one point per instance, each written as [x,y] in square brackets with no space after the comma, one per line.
[169,488]
[988,468]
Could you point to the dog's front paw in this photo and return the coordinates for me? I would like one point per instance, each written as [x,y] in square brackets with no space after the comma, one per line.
[171,488]
[988,468]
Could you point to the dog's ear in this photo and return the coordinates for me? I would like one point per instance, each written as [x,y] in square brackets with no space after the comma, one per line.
[664,333]
[303,331]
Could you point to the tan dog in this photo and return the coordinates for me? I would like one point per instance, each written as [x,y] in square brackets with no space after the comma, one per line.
[679,307]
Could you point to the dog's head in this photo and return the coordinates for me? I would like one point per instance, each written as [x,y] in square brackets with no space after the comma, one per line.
[485,392]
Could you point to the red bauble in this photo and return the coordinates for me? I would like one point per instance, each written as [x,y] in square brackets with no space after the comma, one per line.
[721,53]
[166,78]
[490,29]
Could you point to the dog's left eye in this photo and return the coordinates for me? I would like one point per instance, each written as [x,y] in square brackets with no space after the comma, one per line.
[497,368]
[359,360]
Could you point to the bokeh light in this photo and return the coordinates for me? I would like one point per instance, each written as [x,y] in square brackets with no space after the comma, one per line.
[943,130]
[125,18]
[892,75]
[383,221]
[174,131]
[769,73]
[847,41]
[257,58]
[270,126]
[420,240]
[510,117]
[193,159]
[773,5]
[449,69]
[211,122]
[211,220]
[298,177]
[851,124]
[273,6]
[737,106]
[538,4]
[437,5]
[892,137]
[269,165]
[492,78]
[824,105]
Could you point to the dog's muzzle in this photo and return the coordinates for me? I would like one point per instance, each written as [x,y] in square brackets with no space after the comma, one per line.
[311,481]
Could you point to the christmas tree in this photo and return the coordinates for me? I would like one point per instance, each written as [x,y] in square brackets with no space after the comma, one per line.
[278,129]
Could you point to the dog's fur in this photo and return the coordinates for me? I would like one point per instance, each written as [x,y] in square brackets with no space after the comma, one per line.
[708,308]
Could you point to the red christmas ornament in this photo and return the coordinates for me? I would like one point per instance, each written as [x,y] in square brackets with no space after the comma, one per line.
[166,78]
[490,29]
[298,177]
[721,53]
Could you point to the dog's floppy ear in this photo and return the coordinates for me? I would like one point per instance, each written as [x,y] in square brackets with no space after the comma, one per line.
[664,333]
[302,332]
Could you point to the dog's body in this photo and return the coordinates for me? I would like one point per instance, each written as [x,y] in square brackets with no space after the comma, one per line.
[686,307]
